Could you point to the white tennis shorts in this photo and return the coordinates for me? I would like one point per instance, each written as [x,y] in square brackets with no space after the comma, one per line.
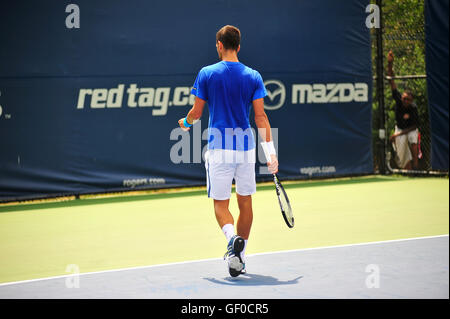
[412,137]
[222,166]
[401,146]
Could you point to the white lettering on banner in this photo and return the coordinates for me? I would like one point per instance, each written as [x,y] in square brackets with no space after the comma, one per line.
[330,93]
[145,98]
[181,96]
[317,170]
[132,94]
[158,98]
[101,98]
[161,100]
[142,181]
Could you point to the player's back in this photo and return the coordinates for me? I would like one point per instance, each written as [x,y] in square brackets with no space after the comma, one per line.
[229,88]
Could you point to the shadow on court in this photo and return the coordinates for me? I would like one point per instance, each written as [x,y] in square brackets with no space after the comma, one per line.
[253,280]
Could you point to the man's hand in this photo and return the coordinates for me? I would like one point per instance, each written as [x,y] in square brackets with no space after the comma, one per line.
[273,164]
[390,57]
[390,71]
[194,114]
[393,136]
[181,124]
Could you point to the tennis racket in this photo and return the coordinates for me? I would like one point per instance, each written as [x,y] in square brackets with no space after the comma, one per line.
[283,200]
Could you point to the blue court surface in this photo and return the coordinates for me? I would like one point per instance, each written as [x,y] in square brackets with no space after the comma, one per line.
[409,268]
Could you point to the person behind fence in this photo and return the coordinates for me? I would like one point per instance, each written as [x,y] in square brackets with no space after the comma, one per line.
[406,134]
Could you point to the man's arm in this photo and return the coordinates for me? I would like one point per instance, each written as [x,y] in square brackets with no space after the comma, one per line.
[390,71]
[264,130]
[261,120]
[414,126]
[194,114]
[403,132]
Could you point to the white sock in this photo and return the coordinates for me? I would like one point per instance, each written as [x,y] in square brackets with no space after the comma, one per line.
[228,230]
[243,251]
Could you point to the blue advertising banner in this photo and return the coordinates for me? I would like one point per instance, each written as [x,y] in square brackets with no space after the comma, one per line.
[436,46]
[90,93]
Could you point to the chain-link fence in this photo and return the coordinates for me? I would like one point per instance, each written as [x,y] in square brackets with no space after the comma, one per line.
[401,129]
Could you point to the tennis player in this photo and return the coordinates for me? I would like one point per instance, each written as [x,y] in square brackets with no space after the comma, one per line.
[231,89]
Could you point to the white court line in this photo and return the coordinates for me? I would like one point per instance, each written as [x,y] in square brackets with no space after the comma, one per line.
[211,259]
[349,245]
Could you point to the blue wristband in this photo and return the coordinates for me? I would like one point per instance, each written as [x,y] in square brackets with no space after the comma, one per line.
[185,123]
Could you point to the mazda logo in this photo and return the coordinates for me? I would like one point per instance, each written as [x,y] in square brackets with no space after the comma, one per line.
[274,89]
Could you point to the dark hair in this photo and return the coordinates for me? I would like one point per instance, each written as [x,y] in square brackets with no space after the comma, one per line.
[230,37]
[410,93]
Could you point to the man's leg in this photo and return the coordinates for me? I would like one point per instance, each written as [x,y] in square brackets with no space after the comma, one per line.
[403,152]
[408,166]
[413,139]
[223,215]
[236,244]
[245,187]
[245,219]
[219,180]
[224,218]
[415,156]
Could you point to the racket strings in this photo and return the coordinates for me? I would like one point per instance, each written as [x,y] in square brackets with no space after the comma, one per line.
[284,203]
[286,207]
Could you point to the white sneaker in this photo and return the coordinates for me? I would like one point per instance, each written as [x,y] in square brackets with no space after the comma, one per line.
[236,266]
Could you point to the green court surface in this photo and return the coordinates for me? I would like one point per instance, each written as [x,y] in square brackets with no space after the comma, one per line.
[42,240]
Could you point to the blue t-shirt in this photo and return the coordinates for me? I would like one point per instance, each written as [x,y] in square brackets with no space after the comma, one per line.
[229,88]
